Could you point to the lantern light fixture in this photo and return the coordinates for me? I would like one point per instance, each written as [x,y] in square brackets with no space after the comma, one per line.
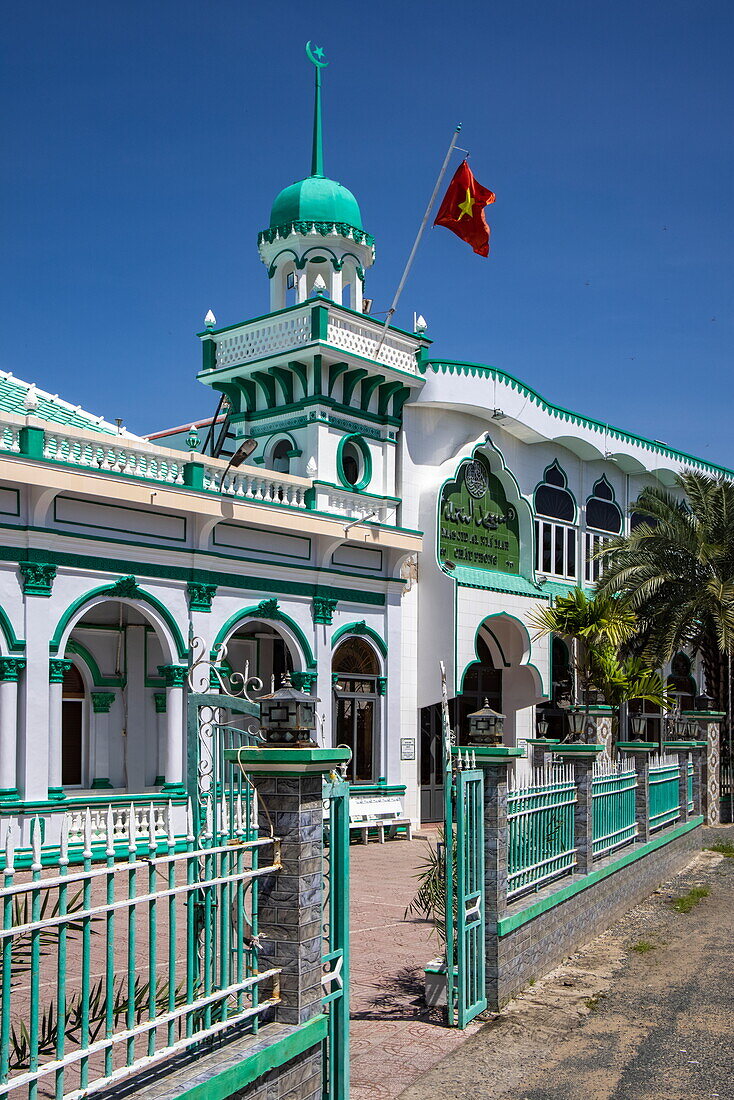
[288,716]
[486,726]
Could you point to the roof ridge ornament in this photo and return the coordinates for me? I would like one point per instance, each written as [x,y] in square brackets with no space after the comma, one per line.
[315,55]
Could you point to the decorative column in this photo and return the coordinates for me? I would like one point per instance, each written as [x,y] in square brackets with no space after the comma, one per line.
[57,667]
[10,669]
[582,757]
[639,753]
[288,782]
[101,705]
[175,679]
[159,699]
[709,726]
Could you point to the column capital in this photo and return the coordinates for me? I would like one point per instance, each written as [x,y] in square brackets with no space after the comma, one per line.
[323,609]
[57,668]
[200,595]
[102,701]
[38,577]
[173,675]
[11,667]
[304,681]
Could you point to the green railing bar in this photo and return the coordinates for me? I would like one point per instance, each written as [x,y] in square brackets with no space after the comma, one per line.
[61,973]
[131,940]
[109,981]
[86,952]
[152,939]
[33,1016]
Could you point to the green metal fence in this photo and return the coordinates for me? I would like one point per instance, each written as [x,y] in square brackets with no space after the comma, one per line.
[540,817]
[106,970]
[690,786]
[664,793]
[471,994]
[614,821]
[335,981]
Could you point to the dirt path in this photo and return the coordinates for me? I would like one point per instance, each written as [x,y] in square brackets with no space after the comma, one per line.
[644,1012]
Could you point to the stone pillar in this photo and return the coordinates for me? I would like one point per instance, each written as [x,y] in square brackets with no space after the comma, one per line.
[57,668]
[541,749]
[699,758]
[683,755]
[290,910]
[175,679]
[582,757]
[639,753]
[10,669]
[101,704]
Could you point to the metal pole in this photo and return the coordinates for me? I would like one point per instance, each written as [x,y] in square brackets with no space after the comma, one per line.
[417,241]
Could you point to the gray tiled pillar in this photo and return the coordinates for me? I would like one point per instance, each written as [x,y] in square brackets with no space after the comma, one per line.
[290,902]
[495,840]
[583,814]
[641,760]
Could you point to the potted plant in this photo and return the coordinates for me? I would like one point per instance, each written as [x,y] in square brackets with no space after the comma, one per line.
[429,903]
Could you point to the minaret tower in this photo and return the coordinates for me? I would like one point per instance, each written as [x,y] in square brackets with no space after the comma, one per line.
[316,231]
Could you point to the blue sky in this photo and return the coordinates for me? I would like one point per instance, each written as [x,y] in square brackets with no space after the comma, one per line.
[145,142]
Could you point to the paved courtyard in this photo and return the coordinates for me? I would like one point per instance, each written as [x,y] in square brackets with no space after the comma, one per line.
[395,1038]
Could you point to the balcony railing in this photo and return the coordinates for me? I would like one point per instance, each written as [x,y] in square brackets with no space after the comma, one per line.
[291,329]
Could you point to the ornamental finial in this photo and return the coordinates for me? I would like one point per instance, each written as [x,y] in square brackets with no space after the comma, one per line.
[315,55]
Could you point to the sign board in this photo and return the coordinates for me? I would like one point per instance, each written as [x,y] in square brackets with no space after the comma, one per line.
[477,527]
[407,748]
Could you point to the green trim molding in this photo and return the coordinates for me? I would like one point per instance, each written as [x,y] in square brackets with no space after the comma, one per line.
[14,644]
[304,681]
[102,701]
[323,608]
[583,882]
[174,676]
[124,588]
[57,668]
[11,667]
[268,610]
[275,1052]
[200,595]
[356,439]
[38,577]
[160,701]
[362,630]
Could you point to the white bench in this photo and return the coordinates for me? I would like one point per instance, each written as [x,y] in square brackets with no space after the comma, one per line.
[378,812]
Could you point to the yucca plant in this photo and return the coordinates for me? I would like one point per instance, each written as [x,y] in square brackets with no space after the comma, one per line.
[430,899]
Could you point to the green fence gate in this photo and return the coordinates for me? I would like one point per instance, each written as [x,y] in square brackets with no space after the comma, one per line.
[335,980]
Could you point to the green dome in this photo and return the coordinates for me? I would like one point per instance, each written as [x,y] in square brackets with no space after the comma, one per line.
[315,199]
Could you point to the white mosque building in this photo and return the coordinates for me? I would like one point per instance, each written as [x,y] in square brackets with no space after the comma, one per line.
[399,509]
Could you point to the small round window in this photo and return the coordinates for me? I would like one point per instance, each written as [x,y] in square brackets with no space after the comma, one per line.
[354,465]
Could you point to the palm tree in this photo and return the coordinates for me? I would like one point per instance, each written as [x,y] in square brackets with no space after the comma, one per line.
[675,572]
[599,628]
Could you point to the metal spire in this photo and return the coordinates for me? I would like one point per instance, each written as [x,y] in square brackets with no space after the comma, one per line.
[315,55]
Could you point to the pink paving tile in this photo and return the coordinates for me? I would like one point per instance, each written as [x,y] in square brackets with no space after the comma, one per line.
[394,1037]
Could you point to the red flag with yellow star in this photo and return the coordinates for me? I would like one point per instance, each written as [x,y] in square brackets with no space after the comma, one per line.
[462,209]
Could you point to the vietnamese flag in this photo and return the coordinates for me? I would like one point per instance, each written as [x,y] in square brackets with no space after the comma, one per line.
[462,209]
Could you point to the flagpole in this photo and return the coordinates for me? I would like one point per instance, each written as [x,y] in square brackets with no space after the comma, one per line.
[417,241]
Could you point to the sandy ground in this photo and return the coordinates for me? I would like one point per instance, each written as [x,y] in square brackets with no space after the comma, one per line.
[615,1023]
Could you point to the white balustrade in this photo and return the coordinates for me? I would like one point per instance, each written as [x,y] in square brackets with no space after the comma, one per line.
[109,454]
[264,337]
[363,338]
[9,437]
[259,488]
[120,822]
[341,502]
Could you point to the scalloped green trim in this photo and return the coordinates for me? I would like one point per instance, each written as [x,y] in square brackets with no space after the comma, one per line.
[478,370]
[325,229]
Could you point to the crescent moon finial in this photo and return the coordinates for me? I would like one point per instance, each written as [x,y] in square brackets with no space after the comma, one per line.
[315,55]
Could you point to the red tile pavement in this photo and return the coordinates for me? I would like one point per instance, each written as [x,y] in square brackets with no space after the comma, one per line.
[394,1037]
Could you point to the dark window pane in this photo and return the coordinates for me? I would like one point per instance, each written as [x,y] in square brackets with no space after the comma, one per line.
[71,742]
[546,548]
[570,552]
[558,551]
[557,503]
[603,515]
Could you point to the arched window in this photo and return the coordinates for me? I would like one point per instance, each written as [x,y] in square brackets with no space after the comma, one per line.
[555,543]
[72,728]
[280,456]
[602,511]
[355,671]
[481,681]
[603,514]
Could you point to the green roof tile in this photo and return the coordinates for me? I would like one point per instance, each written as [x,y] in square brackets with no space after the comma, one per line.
[50,407]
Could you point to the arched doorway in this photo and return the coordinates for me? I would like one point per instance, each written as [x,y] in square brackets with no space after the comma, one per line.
[481,681]
[355,671]
[73,720]
[262,649]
